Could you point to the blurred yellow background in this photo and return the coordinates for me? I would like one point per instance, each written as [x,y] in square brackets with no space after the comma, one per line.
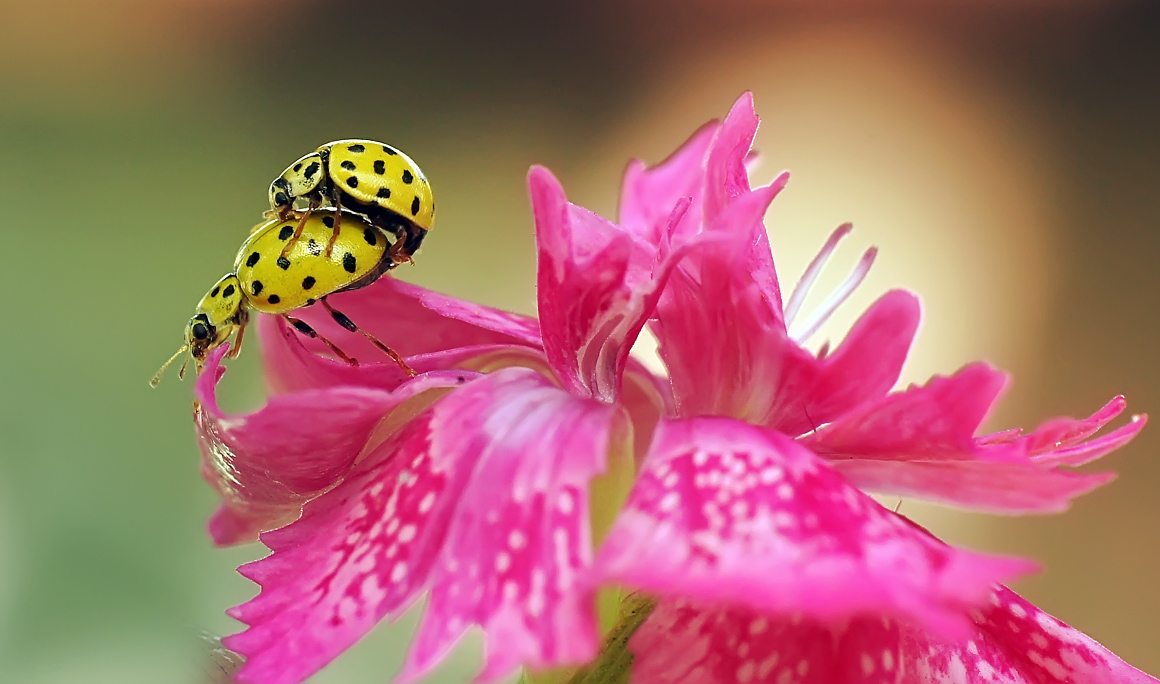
[1004,156]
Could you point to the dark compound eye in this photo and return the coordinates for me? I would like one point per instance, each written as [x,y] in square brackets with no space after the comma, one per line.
[200,332]
[281,199]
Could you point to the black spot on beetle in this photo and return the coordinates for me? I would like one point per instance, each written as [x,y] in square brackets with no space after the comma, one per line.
[273,299]
[352,182]
[407,177]
[308,282]
[286,232]
[228,292]
[253,259]
[348,165]
[355,148]
[213,292]
[414,206]
[313,247]
[349,263]
[389,150]
[283,263]
[370,235]
[384,193]
[328,221]
[380,166]
[256,288]
[310,301]
[200,332]
[311,169]
[298,167]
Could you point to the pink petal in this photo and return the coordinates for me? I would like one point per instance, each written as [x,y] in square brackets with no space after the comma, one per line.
[814,391]
[1011,488]
[597,284]
[1065,441]
[411,320]
[1011,641]
[649,195]
[265,464]
[725,513]
[935,421]
[920,443]
[358,553]
[521,538]
[728,353]
[500,466]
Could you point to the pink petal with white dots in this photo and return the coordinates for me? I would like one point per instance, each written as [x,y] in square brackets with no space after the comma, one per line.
[521,538]
[413,321]
[360,552]
[266,464]
[920,443]
[486,491]
[724,513]
[1010,642]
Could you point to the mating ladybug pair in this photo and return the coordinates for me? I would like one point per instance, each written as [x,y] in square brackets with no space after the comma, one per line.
[368,208]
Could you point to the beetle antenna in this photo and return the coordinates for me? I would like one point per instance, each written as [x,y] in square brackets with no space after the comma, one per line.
[157,378]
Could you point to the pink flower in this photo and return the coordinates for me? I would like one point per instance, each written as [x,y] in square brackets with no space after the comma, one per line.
[473,481]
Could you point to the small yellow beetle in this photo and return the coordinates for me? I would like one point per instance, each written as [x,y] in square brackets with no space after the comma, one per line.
[367,177]
[270,279]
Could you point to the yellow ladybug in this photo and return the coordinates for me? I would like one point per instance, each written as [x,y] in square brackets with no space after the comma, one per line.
[368,177]
[270,279]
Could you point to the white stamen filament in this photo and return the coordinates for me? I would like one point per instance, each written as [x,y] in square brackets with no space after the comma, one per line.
[812,271]
[823,312]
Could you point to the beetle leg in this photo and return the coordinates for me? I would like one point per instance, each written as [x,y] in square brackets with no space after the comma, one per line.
[345,322]
[304,328]
[298,229]
[337,224]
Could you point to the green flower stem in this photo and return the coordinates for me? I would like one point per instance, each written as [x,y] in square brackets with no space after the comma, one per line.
[614,663]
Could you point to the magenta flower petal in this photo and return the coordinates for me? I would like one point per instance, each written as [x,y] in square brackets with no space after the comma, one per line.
[1010,641]
[865,366]
[1065,441]
[467,499]
[597,284]
[267,463]
[728,351]
[1011,488]
[936,421]
[361,552]
[441,330]
[649,195]
[920,443]
[725,513]
[515,551]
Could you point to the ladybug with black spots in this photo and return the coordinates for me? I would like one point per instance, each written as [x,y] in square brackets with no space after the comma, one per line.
[273,277]
[368,177]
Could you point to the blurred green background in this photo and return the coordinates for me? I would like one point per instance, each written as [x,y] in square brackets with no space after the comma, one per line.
[1005,156]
